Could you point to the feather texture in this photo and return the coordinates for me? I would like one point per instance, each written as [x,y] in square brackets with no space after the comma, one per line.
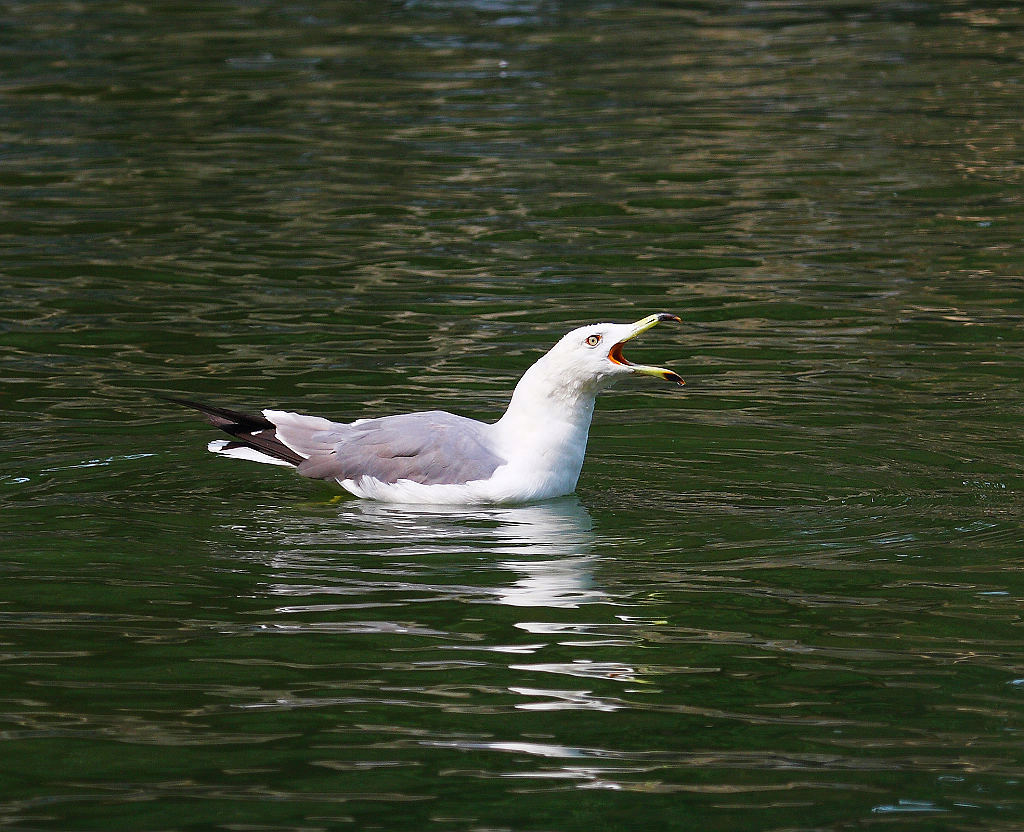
[431,448]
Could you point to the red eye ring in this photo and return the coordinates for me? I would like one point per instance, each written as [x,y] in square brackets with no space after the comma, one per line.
[593,340]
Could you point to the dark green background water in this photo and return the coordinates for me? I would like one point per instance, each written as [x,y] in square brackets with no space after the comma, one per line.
[786,597]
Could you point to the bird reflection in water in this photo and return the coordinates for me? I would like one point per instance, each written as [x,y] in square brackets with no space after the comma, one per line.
[418,579]
[546,546]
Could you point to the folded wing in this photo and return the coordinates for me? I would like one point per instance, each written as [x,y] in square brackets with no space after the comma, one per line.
[432,448]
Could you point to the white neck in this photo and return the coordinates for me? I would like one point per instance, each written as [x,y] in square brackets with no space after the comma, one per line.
[546,425]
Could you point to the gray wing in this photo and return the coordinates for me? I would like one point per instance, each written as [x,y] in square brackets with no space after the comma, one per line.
[431,448]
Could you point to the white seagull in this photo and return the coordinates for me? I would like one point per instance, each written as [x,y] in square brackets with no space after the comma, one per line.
[534,452]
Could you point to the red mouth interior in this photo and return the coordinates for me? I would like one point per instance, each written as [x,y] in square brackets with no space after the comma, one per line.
[615,354]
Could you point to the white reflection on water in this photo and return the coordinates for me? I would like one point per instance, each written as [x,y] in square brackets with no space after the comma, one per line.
[552,583]
[545,547]
[419,576]
[562,533]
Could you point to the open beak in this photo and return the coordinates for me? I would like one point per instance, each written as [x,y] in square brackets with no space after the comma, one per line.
[615,353]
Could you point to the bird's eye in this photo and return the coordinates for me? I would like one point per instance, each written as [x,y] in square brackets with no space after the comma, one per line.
[593,340]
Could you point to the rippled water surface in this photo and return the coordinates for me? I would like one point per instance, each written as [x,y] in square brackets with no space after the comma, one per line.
[785,597]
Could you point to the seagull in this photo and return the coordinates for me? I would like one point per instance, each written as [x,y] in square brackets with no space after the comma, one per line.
[533,452]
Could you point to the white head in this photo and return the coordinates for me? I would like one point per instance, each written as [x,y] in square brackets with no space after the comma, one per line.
[588,359]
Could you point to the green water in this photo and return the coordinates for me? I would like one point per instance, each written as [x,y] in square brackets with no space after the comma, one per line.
[785,597]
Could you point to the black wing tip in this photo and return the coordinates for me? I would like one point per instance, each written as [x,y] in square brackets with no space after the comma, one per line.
[224,418]
[183,402]
[256,432]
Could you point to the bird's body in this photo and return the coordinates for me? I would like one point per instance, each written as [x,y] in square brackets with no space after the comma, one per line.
[534,451]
